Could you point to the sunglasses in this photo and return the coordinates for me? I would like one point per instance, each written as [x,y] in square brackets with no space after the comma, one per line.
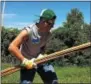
[50,23]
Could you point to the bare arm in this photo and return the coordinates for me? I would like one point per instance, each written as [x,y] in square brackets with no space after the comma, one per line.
[14,46]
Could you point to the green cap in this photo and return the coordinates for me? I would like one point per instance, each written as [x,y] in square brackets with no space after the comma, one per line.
[47,14]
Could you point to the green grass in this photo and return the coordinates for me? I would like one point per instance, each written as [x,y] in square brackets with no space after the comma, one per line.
[65,75]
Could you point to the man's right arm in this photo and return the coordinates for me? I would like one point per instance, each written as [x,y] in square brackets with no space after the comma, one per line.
[15,44]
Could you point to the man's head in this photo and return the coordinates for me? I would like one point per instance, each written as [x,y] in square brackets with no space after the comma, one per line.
[47,18]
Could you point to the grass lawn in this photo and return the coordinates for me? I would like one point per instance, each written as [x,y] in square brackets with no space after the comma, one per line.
[65,75]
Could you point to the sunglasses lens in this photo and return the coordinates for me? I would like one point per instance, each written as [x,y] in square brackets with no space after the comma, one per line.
[49,23]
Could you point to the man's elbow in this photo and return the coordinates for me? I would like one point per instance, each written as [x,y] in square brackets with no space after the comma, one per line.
[11,47]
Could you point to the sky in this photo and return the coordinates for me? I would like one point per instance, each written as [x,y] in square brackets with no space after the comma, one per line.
[19,14]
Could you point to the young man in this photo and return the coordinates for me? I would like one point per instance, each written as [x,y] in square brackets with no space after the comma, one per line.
[32,40]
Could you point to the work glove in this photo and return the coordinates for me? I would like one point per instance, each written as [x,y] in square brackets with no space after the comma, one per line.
[29,64]
[41,56]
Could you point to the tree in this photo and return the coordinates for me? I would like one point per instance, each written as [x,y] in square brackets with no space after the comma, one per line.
[73,32]
[75,16]
[8,34]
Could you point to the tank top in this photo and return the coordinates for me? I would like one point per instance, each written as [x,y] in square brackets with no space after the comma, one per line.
[31,47]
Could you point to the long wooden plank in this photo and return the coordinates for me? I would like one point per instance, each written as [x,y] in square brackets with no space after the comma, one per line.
[48,57]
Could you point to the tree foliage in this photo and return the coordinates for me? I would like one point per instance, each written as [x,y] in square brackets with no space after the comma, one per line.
[73,32]
[7,35]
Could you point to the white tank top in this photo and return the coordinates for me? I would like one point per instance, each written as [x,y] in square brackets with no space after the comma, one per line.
[31,47]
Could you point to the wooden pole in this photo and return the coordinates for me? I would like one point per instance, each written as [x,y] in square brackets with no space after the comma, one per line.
[48,57]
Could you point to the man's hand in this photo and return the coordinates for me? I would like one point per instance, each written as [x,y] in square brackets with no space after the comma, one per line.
[29,64]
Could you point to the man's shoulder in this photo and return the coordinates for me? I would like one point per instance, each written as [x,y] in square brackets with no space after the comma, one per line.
[29,28]
[31,25]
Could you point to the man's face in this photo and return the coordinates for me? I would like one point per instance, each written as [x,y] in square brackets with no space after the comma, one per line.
[48,24]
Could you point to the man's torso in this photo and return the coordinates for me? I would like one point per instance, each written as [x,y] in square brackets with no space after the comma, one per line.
[31,47]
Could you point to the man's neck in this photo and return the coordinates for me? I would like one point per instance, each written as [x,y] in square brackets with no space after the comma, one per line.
[40,28]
